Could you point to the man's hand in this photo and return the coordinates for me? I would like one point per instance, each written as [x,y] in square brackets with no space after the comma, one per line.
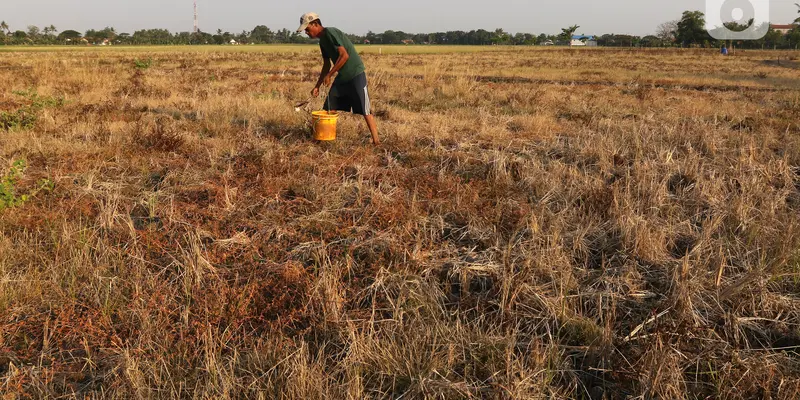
[315,92]
[327,81]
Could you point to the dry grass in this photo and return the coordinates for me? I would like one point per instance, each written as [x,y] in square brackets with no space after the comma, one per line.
[537,224]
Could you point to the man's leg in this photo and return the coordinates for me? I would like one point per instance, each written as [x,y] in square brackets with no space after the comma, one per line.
[373,129]
[361,105]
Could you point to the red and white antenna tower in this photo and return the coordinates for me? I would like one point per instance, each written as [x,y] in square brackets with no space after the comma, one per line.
[195,16]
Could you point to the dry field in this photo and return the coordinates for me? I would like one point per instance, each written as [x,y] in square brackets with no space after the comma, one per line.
[537,224]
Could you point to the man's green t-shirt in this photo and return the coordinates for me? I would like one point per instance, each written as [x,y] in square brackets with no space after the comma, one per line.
[329,43]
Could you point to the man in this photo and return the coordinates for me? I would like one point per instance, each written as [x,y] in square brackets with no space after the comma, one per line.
[349,89]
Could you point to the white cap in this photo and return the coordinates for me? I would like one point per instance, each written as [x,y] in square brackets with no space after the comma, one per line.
[306,19]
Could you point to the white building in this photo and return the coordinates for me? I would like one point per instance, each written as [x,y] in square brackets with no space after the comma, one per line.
[583,40]
[783,29]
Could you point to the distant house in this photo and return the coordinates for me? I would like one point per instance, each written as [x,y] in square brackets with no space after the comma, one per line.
[783,29]
[366,41]
[407,41]
[233,42]
[583,40]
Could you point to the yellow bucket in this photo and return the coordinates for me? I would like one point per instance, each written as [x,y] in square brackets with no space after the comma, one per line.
[324,125]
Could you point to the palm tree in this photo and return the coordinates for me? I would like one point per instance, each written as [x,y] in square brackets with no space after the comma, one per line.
[797,21]
[49,32]
[568,32]
[4,26]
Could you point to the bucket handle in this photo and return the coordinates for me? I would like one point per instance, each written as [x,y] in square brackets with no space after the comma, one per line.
[328,98]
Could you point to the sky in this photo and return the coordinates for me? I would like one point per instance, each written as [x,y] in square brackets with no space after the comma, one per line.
[637,17]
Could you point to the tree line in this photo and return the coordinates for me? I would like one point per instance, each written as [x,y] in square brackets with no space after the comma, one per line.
[33,35]
[688,31]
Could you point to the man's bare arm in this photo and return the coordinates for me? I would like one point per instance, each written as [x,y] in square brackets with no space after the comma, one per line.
[326,67]
[343,57]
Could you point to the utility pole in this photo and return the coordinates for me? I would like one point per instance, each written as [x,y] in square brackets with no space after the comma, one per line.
[195,16]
